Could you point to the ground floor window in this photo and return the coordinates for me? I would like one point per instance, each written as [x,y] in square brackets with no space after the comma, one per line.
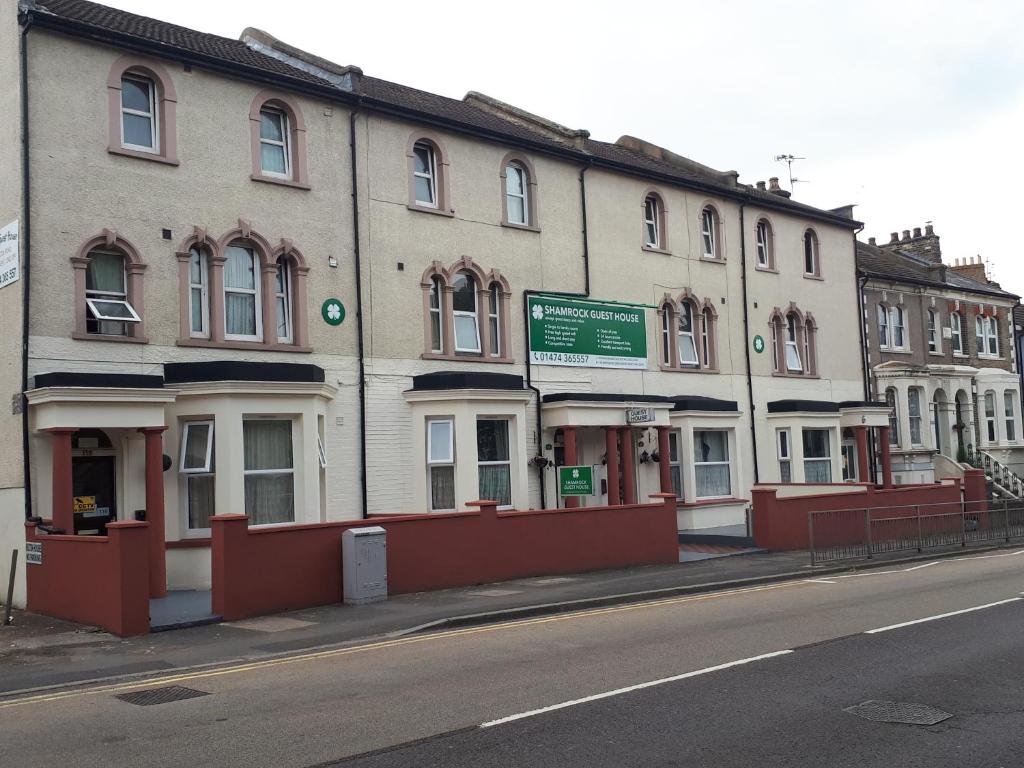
[817,456]
[1011,430]
[269,471]
[441,464]
[197,467]
[711,463]
[675,466]
[494,467]
[785,457]
[990,416]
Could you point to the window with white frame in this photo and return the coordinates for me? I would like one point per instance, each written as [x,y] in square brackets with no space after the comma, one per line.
[817,455]
[894,420]
[785,456]
[685,337]
[812,262]
[494,466]
[709,233]
[933,331]
[425,174]
[914,415]
[275,154]
[283,300]
[675,465]
[242,310]
[268,470]
[711,464]
[199,294]
[765,258]
[138,114]
[494,318]
[441,464]
[1009,415]
[775,346]
[956,336]
[793,363]
[108,310]
[899,337]
[990,417]
[883,326]
[992,340]
[196,466]
[517,207]
[986,331]
[666,335]
[979,335]
[652,222]
[436,339]
[464,309]
[705,337]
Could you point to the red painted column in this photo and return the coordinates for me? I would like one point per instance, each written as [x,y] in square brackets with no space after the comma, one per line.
[571,460]
[628,466]
[863,473]
[155,510]
[883,438]
[611,447]
[663,460]
[61,511]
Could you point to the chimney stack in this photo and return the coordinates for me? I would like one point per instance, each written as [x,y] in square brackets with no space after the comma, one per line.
[760,185]
[871,241]
[972,267]
[894,238]
[924,245]
[775,189]
[917,232]
[906,236]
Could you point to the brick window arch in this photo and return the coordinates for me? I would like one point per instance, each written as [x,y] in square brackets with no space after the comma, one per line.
[277,135]
[142,110]
[794,342]
[688,333]
[466,313]
[109,296]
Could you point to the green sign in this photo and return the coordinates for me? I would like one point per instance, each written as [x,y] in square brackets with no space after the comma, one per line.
[333,312]
[588,334]
[576,481]
[759,344]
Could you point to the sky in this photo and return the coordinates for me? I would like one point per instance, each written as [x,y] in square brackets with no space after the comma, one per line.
[911,110]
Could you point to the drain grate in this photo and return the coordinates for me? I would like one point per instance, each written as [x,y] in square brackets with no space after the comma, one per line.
[160,695]
[899,712]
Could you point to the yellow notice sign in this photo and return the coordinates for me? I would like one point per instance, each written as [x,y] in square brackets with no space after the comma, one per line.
[81,504]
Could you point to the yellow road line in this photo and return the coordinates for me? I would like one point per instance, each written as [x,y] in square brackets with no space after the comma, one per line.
[114,688]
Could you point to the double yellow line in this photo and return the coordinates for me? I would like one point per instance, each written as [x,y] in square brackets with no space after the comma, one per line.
[114,688]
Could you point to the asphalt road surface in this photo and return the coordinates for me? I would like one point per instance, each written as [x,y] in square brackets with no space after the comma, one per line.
[754,677]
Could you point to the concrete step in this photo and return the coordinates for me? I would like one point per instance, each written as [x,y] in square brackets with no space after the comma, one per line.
[722,536]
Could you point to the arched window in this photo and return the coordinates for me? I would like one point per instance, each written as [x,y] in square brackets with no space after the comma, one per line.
[956,336]
[666,335]
[142,110]
[765,245]
[688,334]
[793,362]
[243,319]
[427,166]
[655,235]
[108,289]
[464,308]
[436,339]
[278,137]
[894,421]
[794,347]
[516,194]
[685,337]
[494,319]
[914,416]
[283,299]
[812,257]
[199,293]
[710,228]
[425,174]
[466,313]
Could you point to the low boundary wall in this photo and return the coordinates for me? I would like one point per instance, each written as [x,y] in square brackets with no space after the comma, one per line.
[264,570]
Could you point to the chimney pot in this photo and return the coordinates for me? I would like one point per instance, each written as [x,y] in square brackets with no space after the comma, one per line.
[773,183]
[906,234]
[929,229]
[871,241]
[760,185]
[894,238]
[917,232]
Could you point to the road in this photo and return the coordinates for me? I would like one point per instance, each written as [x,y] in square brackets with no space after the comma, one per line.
[759,676]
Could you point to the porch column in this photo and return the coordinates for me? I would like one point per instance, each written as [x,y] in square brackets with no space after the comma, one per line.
[663,460]
[611,447]
[155,510]
[628,466]
[861,433]
[883,438]
[571,459]
[60,510]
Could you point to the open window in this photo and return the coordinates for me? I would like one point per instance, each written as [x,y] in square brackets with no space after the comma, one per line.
[466,313]
[321,452]
[108,290]
[196,447]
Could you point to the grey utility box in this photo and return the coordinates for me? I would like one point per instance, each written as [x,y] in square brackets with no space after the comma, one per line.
[364,557]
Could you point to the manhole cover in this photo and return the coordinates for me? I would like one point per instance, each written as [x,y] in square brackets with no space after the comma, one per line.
[899,712]
[160,695]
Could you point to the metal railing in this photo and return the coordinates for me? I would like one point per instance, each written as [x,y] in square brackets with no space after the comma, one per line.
[1001,475]
[845,534]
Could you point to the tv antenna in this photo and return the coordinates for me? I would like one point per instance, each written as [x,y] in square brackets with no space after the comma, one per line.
[788,160]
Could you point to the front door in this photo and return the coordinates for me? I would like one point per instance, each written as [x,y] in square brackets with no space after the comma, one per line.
[94,487]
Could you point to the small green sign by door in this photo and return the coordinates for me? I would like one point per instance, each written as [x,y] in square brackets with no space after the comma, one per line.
[759,344]
[333,312]
[576,481]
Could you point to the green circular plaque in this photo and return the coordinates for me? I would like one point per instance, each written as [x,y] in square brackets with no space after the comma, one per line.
[333,312]
[759,344]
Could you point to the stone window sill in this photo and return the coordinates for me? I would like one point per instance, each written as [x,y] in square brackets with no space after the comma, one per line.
[466,358]
[680,369]
[782,375]
[523,227]
[712,260]
[769,270]
[280,182]
[655,249]
[813,277]
[275,347]
[108,337]
[152,156]
[426,209]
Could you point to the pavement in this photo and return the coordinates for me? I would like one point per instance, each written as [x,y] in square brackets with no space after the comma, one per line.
[38,652]
[759,675]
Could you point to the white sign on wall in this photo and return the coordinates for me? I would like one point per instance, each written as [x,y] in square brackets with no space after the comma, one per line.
[10,268]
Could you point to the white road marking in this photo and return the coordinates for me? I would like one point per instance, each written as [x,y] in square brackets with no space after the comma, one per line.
[631,688]
[919,567]
[986,557]
[868,573]
[820,581]
[941,616]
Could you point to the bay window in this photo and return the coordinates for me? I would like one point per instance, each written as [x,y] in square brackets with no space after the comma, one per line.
[711,464]
[1009,415]
[817,456]
[196,466]
[441,464]
[268,470]
[894,421]
[785,457]
[914,414]
[494,468]
[990,417]
[675,466]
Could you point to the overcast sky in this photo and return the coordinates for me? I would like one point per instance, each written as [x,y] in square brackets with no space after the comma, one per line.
[912,110]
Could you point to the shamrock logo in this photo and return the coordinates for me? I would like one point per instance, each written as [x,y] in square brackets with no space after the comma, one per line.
[538,312]
[575,474]
[334,312]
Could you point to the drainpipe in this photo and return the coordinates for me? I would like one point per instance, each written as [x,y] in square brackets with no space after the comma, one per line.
[746,337]
[568,294]
[359,307]
[24,235]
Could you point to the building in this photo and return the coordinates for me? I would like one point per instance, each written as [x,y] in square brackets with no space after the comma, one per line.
[252,280]
[941,354]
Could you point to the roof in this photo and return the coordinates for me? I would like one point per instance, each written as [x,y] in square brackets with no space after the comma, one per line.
[128,30]
[901,266]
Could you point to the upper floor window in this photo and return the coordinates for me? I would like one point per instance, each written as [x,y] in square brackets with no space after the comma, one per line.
[142,108]
[986,330]
[108,289]
[899,340]
[956,336]
[242,304]
[283,299]
[518,188]
[794,343]
[425,174]
[793,363]
[710,230]
[278,136]
[466,312]
[891,327]
[516,194]
[427,168]
[894,421]
[655,235]
[812,256]
[883,325]
[689,329]
[199,294]
[934,344]
[765,245]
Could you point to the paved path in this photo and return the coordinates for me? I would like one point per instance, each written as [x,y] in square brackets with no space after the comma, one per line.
[423,698]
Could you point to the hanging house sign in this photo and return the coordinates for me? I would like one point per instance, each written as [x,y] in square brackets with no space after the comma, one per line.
[639,415]
[9,254]
[588,334]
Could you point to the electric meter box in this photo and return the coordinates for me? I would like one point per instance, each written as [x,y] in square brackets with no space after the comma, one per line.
[364,557]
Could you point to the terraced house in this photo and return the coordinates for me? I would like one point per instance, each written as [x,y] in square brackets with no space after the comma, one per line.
[252,280]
